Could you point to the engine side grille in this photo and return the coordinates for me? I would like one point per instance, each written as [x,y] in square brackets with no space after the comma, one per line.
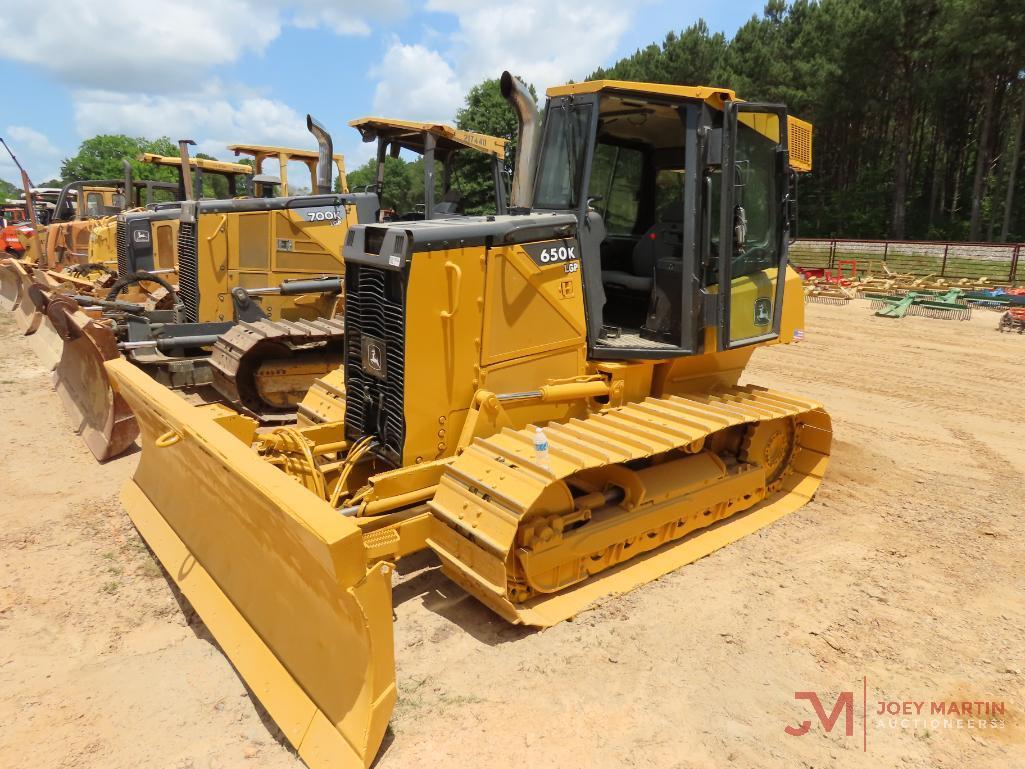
[375,319]
[188,271]
[122,248]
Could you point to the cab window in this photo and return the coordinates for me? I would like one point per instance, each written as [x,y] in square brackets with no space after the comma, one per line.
[562,157]
[93,204]
[615,185]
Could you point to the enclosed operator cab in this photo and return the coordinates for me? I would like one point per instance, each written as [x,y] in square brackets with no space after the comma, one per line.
[643,166]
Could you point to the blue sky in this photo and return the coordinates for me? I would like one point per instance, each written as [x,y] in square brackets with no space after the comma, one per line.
[227,71]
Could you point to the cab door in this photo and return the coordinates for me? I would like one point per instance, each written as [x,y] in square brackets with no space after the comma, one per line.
[753,224]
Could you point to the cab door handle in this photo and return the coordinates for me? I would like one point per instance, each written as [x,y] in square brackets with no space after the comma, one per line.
[457,284]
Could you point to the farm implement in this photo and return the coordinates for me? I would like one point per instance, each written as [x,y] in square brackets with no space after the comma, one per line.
[946,306]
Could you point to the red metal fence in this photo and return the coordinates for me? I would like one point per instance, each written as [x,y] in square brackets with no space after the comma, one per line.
[996,261]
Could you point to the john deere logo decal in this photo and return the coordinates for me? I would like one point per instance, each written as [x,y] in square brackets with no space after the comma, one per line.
[763,311]
[374,362]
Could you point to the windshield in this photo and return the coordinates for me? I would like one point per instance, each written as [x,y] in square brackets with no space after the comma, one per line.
[562,157]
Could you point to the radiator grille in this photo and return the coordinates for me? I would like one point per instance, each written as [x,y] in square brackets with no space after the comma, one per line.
[122,248]
[188,271]
[374,310]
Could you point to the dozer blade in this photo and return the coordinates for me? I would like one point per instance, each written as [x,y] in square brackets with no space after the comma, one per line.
[47,342]
[28,312]
[659,495]
[10,284]
[100,415]
[278,576]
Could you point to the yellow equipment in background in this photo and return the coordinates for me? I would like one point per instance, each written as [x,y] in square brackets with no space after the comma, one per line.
[547,400]
[256,289]
[81,208]
[284,155]
[436,143]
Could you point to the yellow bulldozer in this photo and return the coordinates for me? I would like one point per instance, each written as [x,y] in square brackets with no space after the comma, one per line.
[244,297]
[75,250]
[548,400]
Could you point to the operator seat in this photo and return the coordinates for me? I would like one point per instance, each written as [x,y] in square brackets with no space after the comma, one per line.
[659,241]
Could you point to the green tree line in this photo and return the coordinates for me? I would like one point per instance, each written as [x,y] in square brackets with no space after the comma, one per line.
[100,157]
[918,107]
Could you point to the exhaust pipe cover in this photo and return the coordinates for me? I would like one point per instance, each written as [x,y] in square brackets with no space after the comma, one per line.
[326,147]
[529,137]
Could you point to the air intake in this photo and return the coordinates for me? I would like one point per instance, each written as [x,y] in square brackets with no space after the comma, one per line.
[188,271]
[375,337]
[123,265]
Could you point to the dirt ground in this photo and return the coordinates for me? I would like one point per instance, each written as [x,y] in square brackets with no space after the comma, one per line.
[902,581]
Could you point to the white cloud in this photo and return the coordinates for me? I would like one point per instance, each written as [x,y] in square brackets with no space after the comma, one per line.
[212,117]
[31,139]
[416,83]
[545,42]
[34,151]
[343,17]
[159,45]
[165,45]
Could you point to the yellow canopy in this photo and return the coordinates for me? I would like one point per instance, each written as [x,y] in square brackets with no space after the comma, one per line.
[261,152]
[714,96]
[215,166]
[410,135]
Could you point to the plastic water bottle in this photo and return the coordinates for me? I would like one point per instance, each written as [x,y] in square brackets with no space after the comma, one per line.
[541,447]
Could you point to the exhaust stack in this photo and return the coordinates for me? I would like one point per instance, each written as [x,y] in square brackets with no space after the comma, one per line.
[326,154]
[188,191]
[519,98]
[126,169]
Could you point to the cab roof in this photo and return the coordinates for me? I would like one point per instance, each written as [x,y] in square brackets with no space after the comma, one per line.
[799,131]
[410,135]
[714,96]
[268,151]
